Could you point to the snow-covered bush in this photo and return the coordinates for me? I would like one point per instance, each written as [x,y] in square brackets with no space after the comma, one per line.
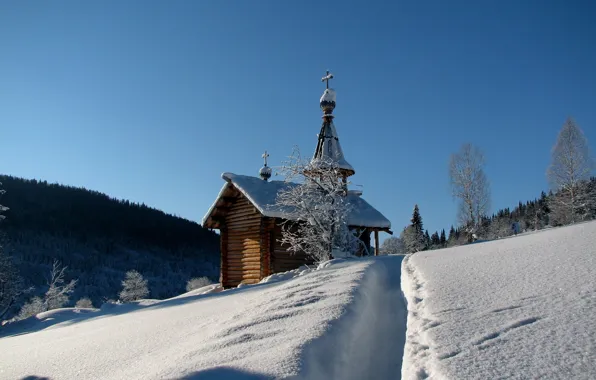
[84,303]
[55,297]
[317,209]
[134,287]
[33,307]
[196,283]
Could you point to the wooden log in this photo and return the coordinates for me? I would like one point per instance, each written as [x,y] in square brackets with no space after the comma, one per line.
[247,251]
[243,225]
[243,209]
[243,235]
[243,229]
[241,215]
[243,250]
[243,274]
[251,281]
[244,259]
[248,239]
[241,246]
[240,255]
[248,258]
[256,265]
[254,269]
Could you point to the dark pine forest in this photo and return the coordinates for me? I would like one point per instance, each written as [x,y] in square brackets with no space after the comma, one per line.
[100,238]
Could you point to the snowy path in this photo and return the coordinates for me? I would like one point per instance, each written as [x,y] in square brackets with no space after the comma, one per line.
[345,321]
[516,308]
[367,342]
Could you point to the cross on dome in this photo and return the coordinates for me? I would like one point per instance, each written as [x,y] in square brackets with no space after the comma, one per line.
[326,78]
[265,172]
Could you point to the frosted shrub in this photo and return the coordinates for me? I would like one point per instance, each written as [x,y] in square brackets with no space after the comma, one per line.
[84,303]
[196,283]
[33,307]
[134,287]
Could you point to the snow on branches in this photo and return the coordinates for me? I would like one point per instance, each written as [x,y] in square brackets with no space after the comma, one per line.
[317,209]
[134,287]
[570,169]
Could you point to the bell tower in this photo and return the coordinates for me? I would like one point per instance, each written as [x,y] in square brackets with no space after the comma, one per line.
[328,146]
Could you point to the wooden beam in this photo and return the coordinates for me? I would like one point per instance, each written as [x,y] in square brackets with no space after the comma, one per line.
[376,243]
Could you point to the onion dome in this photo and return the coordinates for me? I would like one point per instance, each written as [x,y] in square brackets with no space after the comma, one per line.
[328,146]
[265,172]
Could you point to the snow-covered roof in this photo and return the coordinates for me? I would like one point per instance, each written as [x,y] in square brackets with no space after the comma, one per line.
[263,194]
[328,95]
[329,148]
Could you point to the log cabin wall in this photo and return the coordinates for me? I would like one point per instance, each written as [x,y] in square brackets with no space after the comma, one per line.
[281,259]
[241,261]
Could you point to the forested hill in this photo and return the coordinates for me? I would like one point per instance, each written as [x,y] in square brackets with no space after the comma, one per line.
[99,238]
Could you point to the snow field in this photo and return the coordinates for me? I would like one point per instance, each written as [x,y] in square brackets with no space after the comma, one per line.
[515,308]
[309,324]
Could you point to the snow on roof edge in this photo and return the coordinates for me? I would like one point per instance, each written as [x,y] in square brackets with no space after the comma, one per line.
[208,214]
[364,215]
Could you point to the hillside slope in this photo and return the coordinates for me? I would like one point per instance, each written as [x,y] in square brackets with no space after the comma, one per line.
[99,238]
[514,308]
[330,323]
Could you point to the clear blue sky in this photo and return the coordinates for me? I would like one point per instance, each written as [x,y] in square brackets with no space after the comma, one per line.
[152,100]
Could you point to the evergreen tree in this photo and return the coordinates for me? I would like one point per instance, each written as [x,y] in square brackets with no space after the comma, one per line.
[414,233]
[443,239]
[435,240]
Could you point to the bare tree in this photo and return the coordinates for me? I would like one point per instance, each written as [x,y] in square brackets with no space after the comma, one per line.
[134,287]
[56,297]
[470,186]
[58,293]
[571,164]
[317,209]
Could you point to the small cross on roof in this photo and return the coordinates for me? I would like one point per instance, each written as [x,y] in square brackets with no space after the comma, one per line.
[265,155]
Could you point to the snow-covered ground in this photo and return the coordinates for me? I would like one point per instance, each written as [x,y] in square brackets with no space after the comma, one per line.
[517,308]
[522,307]
[345,320]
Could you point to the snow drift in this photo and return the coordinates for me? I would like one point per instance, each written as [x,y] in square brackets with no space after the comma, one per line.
[515,308]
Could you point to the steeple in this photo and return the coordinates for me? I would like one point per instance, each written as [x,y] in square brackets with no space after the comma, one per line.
[265,171]
[328,146]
